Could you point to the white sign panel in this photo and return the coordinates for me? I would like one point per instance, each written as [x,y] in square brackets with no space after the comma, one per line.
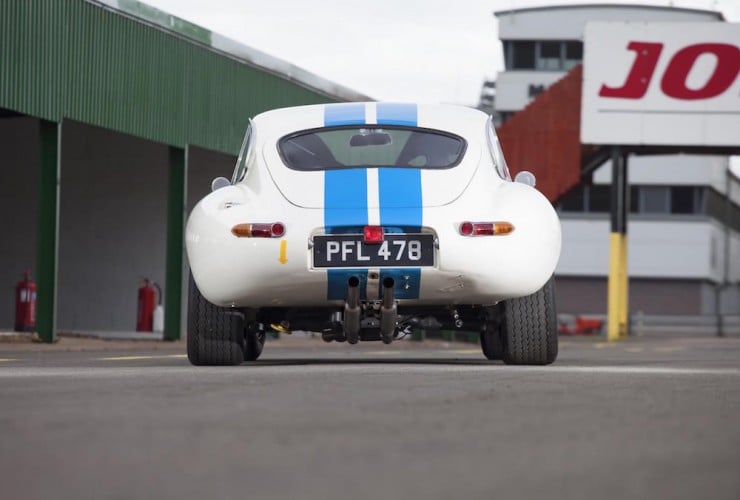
[661,84]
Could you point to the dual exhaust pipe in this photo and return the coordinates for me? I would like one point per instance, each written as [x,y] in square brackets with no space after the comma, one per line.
[353,311]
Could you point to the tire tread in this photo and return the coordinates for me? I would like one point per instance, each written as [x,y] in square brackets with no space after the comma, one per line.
[213,337]
[530,328]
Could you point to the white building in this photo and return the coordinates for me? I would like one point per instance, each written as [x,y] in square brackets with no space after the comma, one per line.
[684,223]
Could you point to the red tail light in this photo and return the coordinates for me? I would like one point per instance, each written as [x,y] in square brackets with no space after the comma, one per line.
[486,228]
[373,234]
[272,230]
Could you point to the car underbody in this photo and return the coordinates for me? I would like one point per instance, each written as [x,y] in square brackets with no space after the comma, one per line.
[516,331]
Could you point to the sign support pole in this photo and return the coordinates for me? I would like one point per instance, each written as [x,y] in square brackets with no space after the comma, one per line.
[618,287]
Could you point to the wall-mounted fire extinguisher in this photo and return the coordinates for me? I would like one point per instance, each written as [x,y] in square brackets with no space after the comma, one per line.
[25,305]
[149,296]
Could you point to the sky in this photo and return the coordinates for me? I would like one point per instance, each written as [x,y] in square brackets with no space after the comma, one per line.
[397,50]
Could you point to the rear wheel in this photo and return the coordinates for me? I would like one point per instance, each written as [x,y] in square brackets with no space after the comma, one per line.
[491,336]
[529,328]
[215,334]
[254,342]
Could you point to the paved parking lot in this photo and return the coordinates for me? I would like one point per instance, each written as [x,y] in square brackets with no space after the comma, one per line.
[645,418]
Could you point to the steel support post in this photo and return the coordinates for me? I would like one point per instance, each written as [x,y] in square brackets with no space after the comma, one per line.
[175,238]
[47,241]
[618,288]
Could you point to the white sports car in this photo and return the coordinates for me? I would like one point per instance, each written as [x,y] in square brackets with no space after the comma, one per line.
[363,221]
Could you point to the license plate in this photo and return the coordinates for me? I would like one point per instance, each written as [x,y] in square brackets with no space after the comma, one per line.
[396,250]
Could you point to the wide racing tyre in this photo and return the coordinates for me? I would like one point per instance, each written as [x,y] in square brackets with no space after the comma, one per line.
[491,336]
[529,328]
[253,345]
[215,334]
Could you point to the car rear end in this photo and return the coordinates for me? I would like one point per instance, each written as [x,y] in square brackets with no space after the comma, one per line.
[400,198]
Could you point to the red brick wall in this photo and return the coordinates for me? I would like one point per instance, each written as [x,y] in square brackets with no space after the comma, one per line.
[544,137]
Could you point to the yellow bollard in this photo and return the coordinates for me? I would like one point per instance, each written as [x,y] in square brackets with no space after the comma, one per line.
[618,307]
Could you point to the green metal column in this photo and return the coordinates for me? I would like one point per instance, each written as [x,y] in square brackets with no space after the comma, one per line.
[47,241]
[178,168]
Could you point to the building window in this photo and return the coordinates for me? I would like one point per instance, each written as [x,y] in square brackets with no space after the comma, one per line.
[599,199]
[586,199]
[573,200]
[573,55]
[654,200]
[523,55]
[549,56]
[685,200]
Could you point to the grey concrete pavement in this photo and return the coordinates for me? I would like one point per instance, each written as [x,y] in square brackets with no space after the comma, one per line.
[639,419]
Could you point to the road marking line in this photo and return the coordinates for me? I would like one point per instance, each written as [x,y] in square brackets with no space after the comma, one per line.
[669,349]
[633,349]
[602,345]
[303,368]
[2,360]
[643,370]
[136,358]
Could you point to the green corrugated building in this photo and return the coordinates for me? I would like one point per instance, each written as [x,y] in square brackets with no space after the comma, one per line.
[113,115]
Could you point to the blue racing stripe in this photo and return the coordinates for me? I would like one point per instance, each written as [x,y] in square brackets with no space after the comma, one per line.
[345,191]
[401,199]
[345,200]
[390,113]
[349,113]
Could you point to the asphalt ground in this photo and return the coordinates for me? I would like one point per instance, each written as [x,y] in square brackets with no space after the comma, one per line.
[643,418]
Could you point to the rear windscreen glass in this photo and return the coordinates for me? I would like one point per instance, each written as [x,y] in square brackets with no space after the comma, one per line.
[370,146]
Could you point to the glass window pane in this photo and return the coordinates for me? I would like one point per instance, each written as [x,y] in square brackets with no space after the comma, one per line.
[574,50]
[654,200]
[599,199]
[634,199]
[573,54]
[371,146]
[682,200]
[572,201]
[507,53]
[549,56]
[523,55]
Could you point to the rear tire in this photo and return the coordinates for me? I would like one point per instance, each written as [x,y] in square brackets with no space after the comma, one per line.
[491,336]
[254,342]
[215,334]
[529,328]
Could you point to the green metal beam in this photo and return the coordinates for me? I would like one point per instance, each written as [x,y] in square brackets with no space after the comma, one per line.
[175,237]
[50,138]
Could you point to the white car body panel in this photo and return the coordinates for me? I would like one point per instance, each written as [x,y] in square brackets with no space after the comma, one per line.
[279,272]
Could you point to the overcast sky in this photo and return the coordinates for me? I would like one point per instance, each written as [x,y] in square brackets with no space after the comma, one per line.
[402,50]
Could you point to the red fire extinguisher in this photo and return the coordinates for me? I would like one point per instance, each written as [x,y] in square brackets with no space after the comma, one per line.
[25,305]
[147,304]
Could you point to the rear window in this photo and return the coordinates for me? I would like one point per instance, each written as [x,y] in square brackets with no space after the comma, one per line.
[371,146]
